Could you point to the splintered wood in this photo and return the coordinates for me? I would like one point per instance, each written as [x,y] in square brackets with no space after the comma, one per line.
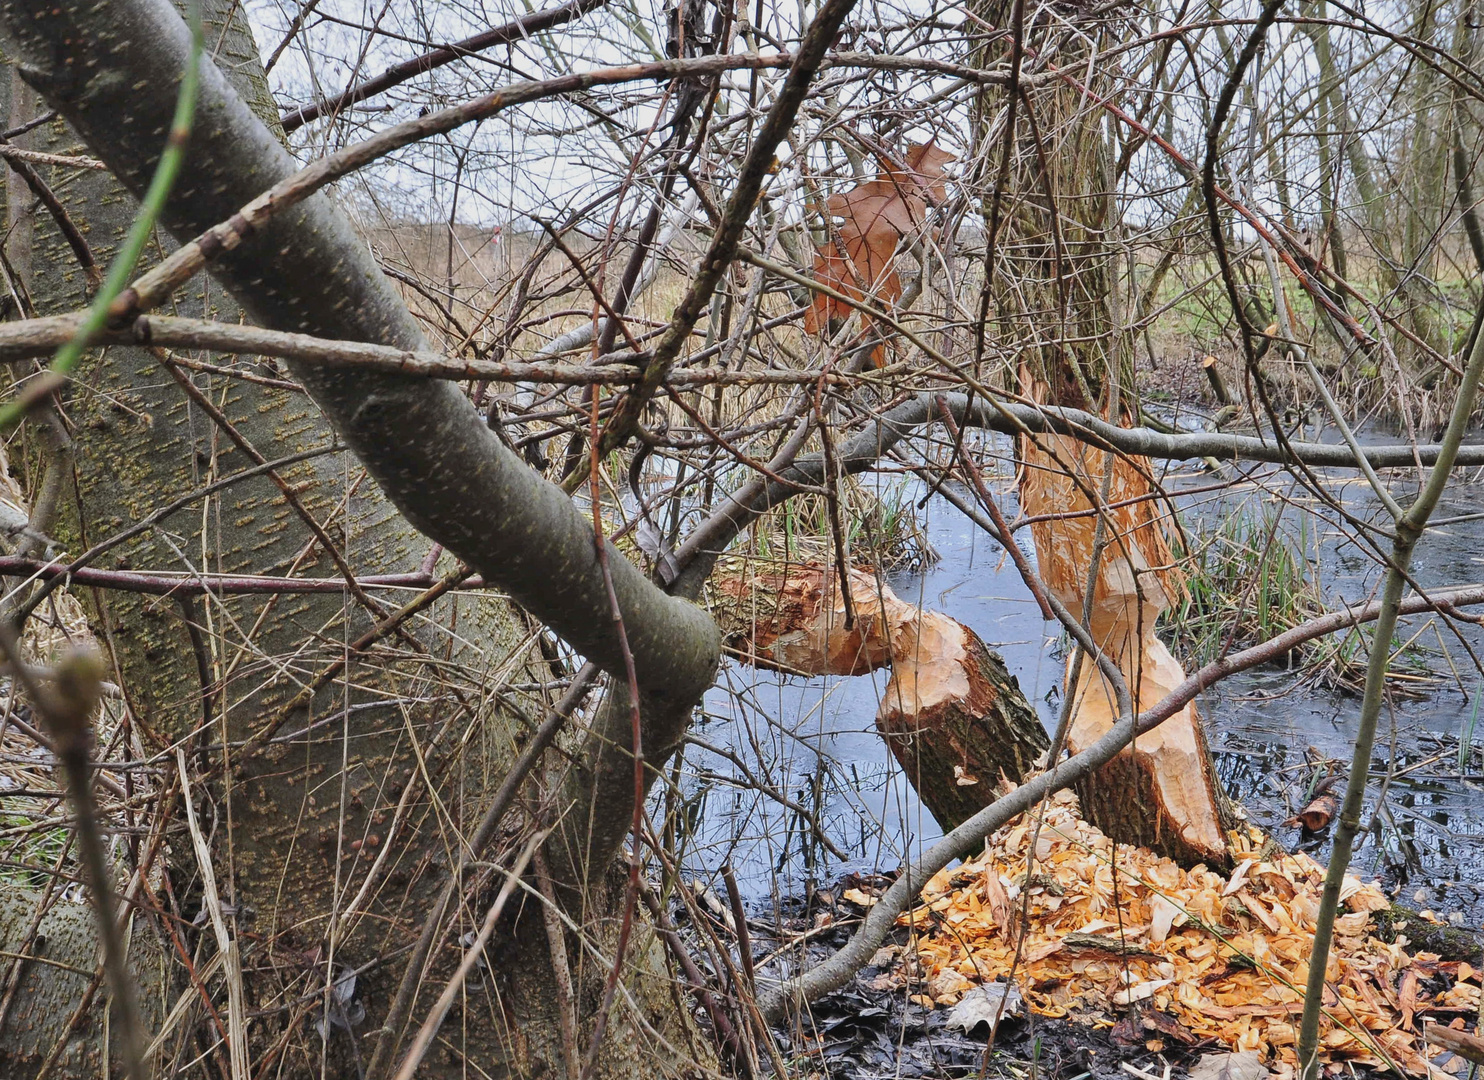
[1175,954]
[794,620]
[954,717]
[952,714]
[1160,792]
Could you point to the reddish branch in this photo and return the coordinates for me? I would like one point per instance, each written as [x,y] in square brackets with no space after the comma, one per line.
[755,168]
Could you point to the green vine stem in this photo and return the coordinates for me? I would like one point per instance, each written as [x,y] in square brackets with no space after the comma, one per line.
[121,270]
[1409,528]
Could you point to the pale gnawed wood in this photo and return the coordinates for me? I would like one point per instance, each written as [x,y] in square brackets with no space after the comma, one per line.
[1161,792]
[793,620]
[955,718]
[952,714]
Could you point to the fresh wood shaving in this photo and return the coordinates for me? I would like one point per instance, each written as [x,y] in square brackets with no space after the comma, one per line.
[1227,958]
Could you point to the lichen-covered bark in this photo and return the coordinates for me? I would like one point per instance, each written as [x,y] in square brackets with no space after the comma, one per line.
[138,442]
[423,442]
[432,464]
[53,985]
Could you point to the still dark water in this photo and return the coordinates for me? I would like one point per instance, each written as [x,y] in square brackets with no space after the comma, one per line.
[813,741]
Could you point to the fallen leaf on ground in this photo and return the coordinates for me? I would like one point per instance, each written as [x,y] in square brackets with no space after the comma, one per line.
[983,1004]
[1220,963]
[1244,1066]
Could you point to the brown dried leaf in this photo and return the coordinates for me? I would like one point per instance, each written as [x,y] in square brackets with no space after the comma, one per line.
[1243,1066]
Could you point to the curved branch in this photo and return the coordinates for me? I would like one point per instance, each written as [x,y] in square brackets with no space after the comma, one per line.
[701,549]
[305,270]
[509,33]
[38,337]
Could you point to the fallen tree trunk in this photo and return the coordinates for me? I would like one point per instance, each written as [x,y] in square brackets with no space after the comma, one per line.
[795,621]
[954,717]
[952,714]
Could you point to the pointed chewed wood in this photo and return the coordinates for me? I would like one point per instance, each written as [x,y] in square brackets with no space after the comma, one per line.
[955,718]
[1160,793]
[793,620]
[952,714]
[868,223]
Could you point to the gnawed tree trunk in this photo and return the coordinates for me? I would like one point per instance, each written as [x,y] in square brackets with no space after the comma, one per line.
[955,718]
[1161,792]
[1055,304]
[794,620]
[952,714]
[1178,808]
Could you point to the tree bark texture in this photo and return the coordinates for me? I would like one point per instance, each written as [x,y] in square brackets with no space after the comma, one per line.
[1051,234]
[1161,792]
[435,468]
[955,718]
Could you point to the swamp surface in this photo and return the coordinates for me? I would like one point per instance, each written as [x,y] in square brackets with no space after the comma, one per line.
[1275,732]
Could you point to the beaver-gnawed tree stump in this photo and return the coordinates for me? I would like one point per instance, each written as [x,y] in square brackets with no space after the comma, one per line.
[952,714]
[955,718]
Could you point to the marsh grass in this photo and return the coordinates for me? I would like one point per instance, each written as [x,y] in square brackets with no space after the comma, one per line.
[1246,581]
[1249,580]
[880,525]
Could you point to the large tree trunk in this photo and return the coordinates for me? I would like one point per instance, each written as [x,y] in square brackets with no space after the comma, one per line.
[301,815]
[1055,305]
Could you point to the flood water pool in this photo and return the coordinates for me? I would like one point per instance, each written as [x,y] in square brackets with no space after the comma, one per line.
[811,743]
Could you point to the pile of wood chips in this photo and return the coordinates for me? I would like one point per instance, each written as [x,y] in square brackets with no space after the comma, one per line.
[1165,954]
